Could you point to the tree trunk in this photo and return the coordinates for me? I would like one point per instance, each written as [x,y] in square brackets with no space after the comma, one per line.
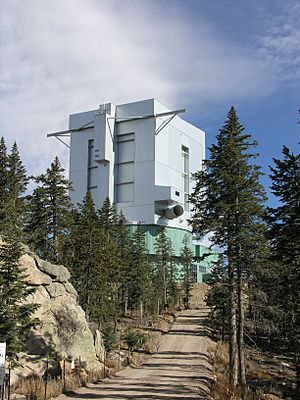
[125,304]
[233,370]
[240,336]
[141,312]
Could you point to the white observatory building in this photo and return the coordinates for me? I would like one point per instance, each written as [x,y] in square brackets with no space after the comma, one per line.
[141,155]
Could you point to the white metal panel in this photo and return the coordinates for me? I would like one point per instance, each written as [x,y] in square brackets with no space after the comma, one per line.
[125,173]
[126,151]
[125,193]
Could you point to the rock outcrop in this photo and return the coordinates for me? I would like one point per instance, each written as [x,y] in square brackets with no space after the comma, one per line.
[62,331]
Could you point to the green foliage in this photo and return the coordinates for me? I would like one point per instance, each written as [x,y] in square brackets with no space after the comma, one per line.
[13,184]
[138,281]
[49,213]
[165,274]
[186,256]
[135,340]
[228,201]
[15,314]
[285,239]
[92,256]
[218,298]
[108,217]
[109,337]
[125,247]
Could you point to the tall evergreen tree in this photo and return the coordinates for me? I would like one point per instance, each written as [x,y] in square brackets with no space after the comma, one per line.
[125,246]
[140,270]
[15,314]
[108,217]
[217,297]
[93,259]
[81,251]
[3,181]
[163,265]
[17,185]
[14,181]
[49,212]
[285,236]
[186,261]
[228,202]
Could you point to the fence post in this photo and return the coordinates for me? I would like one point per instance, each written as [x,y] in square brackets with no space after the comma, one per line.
[46,381]
[64,374]
[8,381]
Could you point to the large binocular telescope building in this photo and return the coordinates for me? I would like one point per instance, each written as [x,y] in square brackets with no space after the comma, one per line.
[141,155]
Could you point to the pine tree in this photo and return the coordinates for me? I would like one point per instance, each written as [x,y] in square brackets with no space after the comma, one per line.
[93,259]
[81,251]
[3,183]
[14,182]
[17,185]
[108,217]
[186,256]
[217,297]
[15,314]
[140,271]
[285,236]
[36,222]
[125,246]
[163,263]
[52,195]
[228,202]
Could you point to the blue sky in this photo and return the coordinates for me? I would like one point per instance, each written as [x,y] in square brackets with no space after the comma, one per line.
[60,57]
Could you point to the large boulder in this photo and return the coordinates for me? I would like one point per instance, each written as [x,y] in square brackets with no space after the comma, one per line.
[62,331]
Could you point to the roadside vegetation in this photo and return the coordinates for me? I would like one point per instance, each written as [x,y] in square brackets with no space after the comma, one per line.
[254,295]
[254,291]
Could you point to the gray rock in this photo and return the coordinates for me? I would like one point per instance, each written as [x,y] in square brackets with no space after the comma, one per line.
[70,288]
[59,272]
[56,289]
[99,346]
[62,330]
[34,277]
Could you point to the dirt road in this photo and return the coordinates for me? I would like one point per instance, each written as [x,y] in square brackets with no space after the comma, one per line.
[180,369]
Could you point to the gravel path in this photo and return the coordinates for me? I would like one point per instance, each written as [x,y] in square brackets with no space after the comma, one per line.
[180,369]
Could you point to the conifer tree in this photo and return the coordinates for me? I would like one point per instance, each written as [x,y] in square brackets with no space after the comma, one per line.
[227,201]
[52,195]
[17,185]
[125,246]
[81,251]
[92,257]
[186,262]
[3,182]
[108,217]
[163,263]
[217,297]
[285,236]
[14,182]
[15,314]
[140,271]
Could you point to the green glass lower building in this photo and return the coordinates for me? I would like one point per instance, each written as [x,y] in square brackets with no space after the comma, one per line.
[203,259]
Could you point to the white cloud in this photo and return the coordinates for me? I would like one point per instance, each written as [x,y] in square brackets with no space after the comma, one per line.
[59,57]
[280,43]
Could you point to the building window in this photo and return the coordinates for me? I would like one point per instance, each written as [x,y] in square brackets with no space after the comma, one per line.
[186,176]
[202,269]
[125,168]
[194,273]
[92,167]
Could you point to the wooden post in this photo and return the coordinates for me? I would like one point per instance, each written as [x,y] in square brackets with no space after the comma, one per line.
[8,382]
[46,377]
[64,374]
